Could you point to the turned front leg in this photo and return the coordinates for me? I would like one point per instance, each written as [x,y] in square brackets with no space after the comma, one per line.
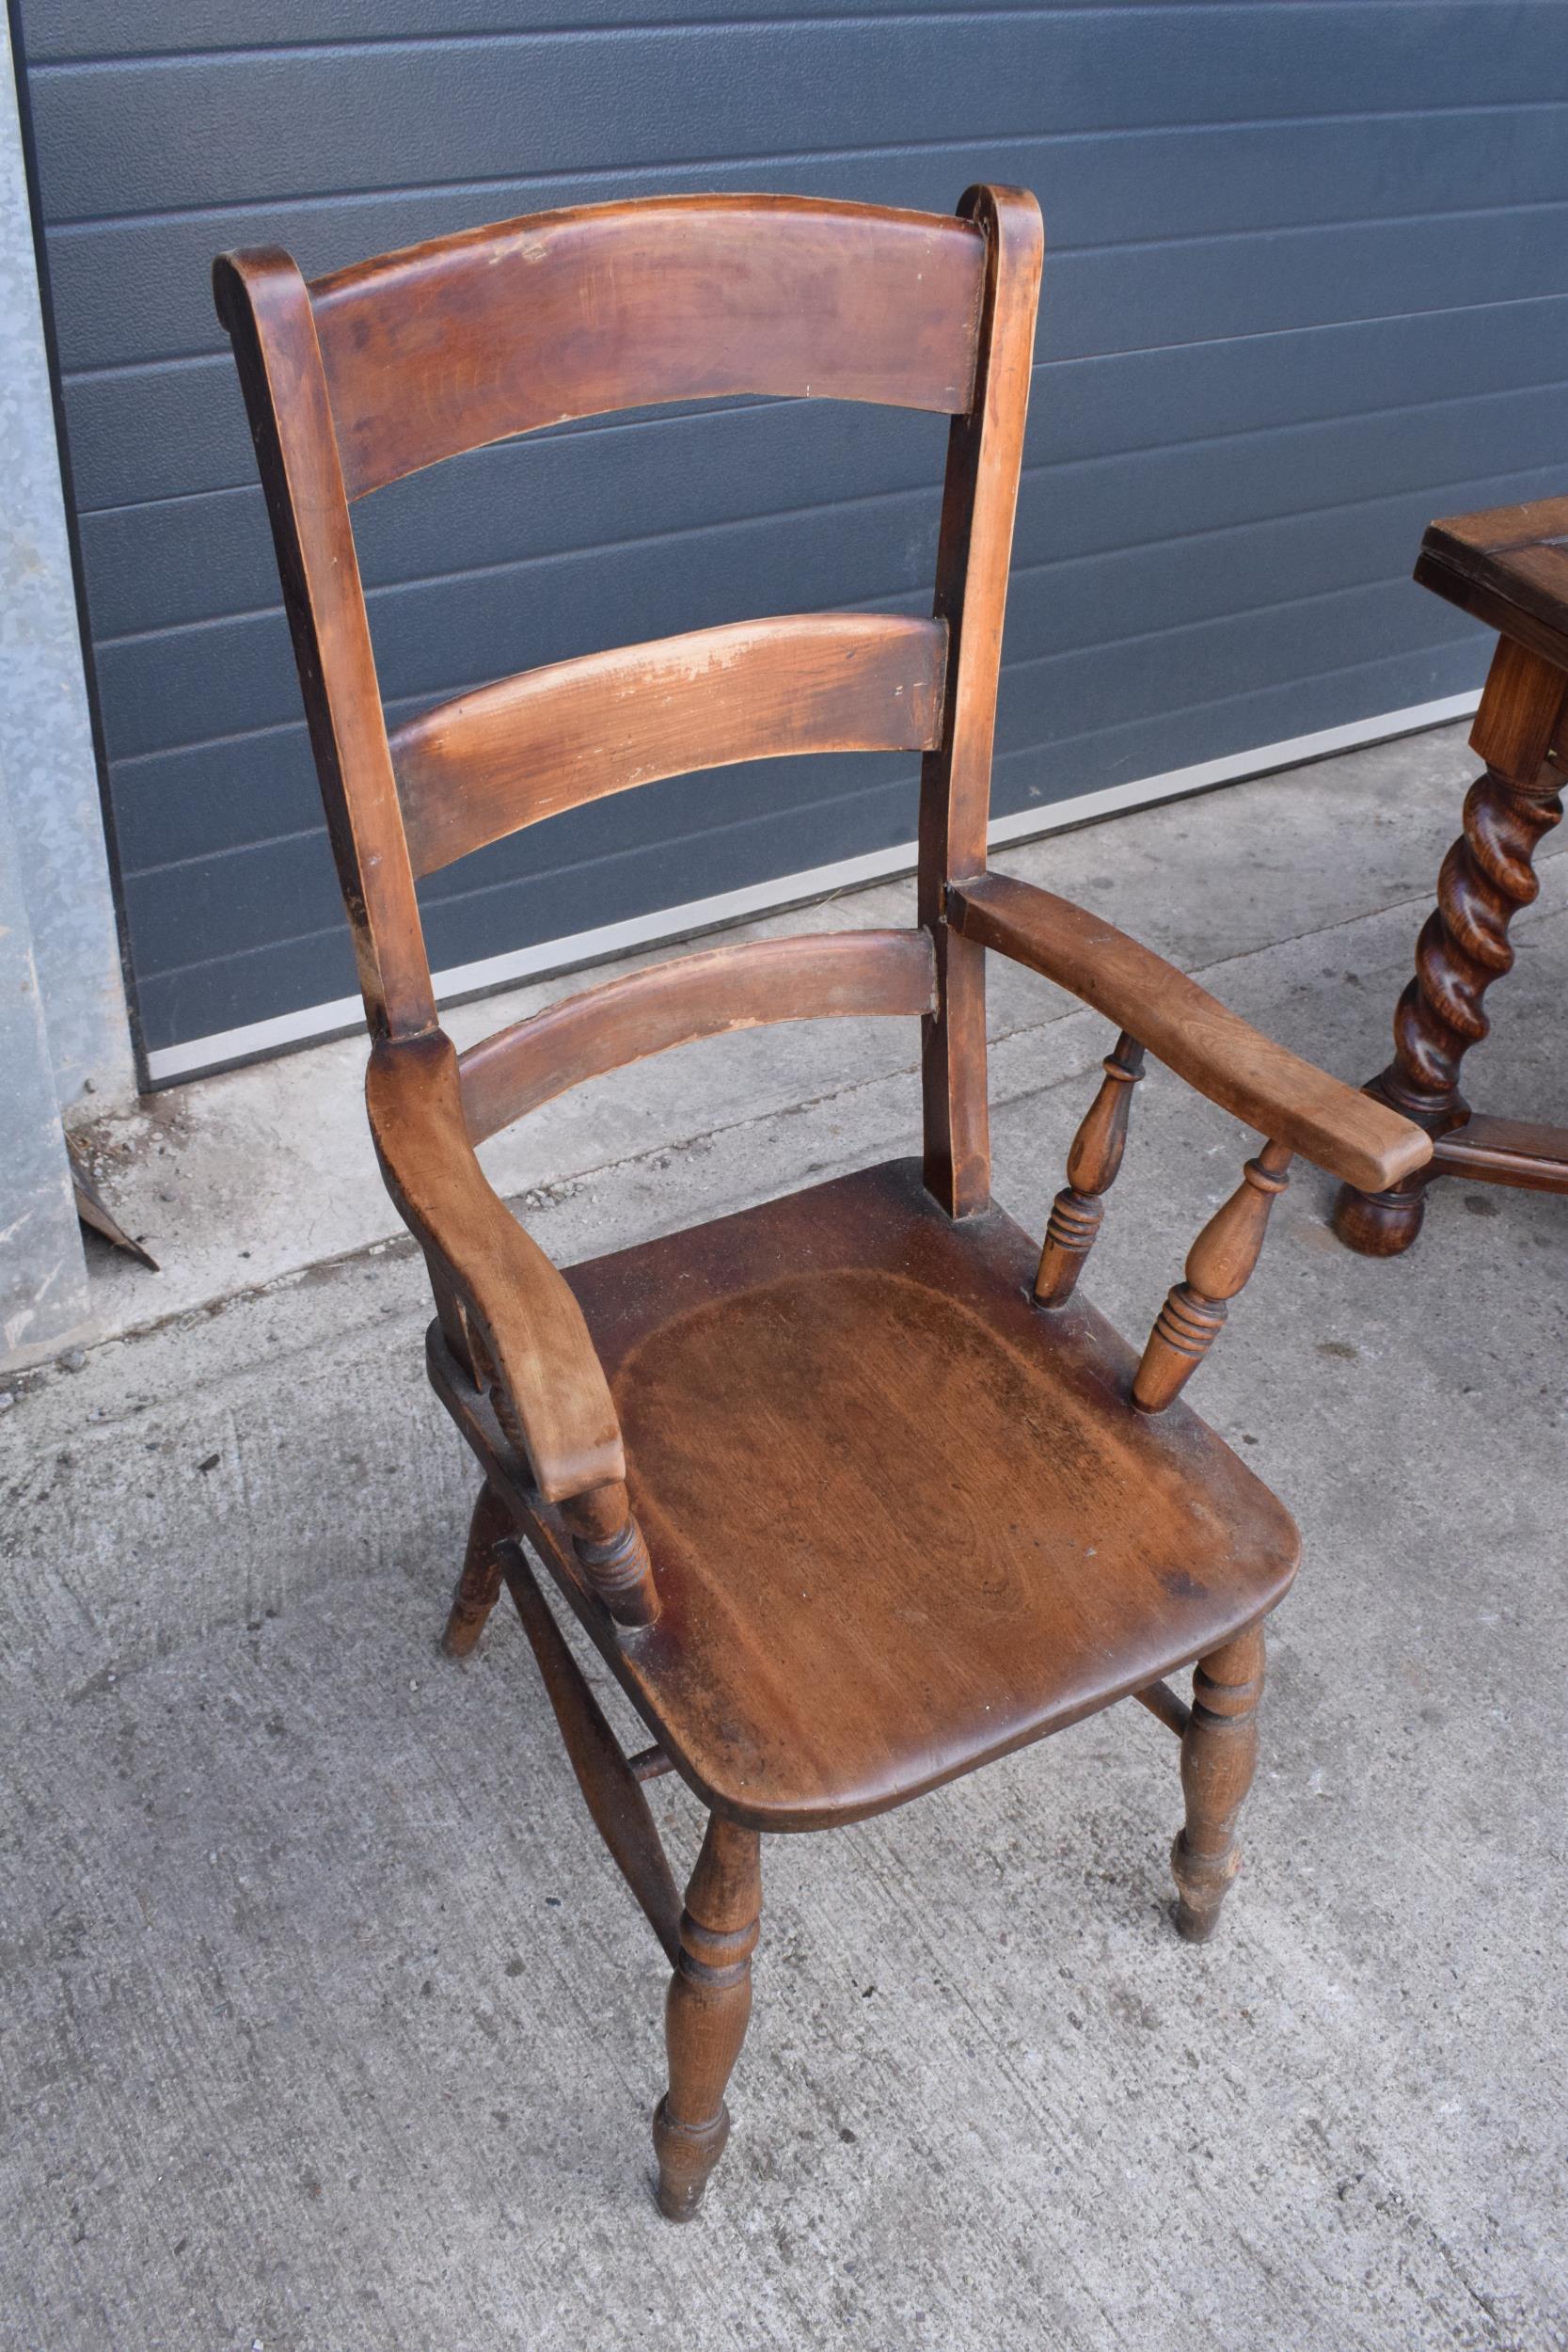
[706,2013]
[1219,1755]
[1487,877]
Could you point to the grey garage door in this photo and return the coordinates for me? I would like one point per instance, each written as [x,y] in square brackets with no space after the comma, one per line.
[1309,285]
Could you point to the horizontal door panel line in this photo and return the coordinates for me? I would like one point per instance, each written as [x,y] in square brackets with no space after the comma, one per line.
[782,20]
[693,837]
[386,589]
[1037,818]
[173,498]
[928,491]
[1327,326]
[1146,351]
[510,36]
[616,177]
[1292,425]
[87,191]
[150,52]
[676,28]
[296,726]
[676,414]
[145,50]
[444,901]
[1228,620]
[1049,746]
[167,362]
[837,801]
[345,1015]
[414,703]
[237,848]
[680,412]
[672,412]
[63,232]
[577,175]
[1262,522]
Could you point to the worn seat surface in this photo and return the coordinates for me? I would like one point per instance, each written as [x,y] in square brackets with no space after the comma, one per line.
[901,1520]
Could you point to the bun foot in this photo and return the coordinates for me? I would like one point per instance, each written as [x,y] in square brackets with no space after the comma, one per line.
[1200,1891]
[687,2154]
[1378,1224]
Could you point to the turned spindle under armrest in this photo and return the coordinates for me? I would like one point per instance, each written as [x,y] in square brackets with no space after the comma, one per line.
[1219,1267]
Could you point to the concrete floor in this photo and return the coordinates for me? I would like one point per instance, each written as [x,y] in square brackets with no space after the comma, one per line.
[326,2024]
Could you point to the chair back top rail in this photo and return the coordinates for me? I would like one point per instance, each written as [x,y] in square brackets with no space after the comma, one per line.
[472,337]
[481,766]
[821,977]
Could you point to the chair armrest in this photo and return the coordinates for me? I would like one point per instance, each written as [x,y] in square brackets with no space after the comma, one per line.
[527,1317]
[1286,1099]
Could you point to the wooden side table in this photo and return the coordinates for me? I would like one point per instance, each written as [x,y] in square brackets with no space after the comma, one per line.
[1509,569]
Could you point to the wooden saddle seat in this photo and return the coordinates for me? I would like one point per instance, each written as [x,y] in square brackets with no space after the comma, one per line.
[822,1400]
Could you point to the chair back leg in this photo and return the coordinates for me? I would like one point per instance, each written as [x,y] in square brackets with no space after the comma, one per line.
[479,1587]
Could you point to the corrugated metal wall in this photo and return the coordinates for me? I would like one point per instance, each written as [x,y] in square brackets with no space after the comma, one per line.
[1307,286]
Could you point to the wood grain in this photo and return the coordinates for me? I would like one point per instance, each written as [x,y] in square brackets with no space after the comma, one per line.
[821,977]
[471,338]
[1514,1151]
[479,1584]
[1509,567]
[1093,1165]
[985,452]
[510,1298]
[478,766]
[901,1520]
[707,2013]
[1219,1757]
[610,1789]
[1192,1032]
[1523,719]
[843,1510]
[262,301]
[1219,1265]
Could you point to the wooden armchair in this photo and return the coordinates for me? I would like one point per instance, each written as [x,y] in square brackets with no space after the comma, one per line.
[1509,567]
[853,1492]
